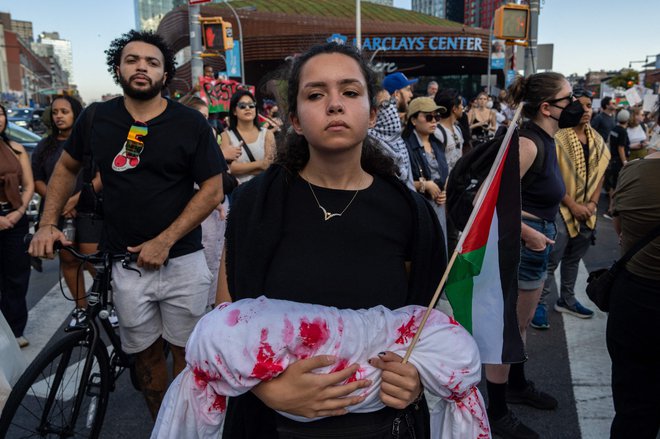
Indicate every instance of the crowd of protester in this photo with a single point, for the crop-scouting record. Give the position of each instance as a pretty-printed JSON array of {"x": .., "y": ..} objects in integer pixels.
[{"x": 417, "y": 140}]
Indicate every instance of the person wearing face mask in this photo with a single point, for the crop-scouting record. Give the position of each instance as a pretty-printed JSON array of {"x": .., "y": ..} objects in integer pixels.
[
  {"x": 387, "y": 131},
  {"x": 549, "y": 105},
  {"x": 583, "y": 158}
]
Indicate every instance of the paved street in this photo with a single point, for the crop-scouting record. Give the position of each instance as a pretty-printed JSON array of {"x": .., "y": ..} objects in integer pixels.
[{"x": 569, "y": 360}]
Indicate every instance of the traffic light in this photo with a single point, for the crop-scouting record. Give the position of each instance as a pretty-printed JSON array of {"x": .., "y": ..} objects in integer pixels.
[
  {"x": 217, "y": 34},
  {"x": 511, "y": 22}
]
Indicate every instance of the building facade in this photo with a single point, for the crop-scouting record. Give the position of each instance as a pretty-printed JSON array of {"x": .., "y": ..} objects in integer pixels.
[
  {"x": 479, "y": 13},
  {"x": 62, "y": 51},
  {"x": 149, "y": 13},
  {"x": 435, "y": 8}
]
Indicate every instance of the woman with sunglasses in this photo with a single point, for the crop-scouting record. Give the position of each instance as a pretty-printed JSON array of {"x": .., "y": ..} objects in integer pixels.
[
  {"x": 549, "y": 105},
  {"x": 258, "y": 144},
  {"x": 449, "y": 131},
  {"x": 427, "y": 155}
]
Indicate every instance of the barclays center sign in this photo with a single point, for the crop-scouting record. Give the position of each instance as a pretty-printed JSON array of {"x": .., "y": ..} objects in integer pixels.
[{"x": 416, "y": 43}]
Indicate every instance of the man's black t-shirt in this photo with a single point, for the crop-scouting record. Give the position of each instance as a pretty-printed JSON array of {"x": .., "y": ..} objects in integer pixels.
[
  {"x": 619, "y": 137},
  {"x": 368, "y": 245},
  {"x": 143, "y": 196}
]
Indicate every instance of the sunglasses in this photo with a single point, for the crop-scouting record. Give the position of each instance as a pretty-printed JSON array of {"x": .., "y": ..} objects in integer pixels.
[
  {"x": 430, "y": 117},
  {"x": 244, "y": 106},
  {"x": 570, "y": 98},
  {"x": 582, "y": 93}
]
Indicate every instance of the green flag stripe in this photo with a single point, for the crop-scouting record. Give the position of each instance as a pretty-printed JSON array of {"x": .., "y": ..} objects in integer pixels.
[{"x": 460, "y": 285}]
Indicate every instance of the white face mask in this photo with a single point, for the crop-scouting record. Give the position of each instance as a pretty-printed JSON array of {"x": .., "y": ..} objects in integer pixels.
[{"x": 489, "y": 104}]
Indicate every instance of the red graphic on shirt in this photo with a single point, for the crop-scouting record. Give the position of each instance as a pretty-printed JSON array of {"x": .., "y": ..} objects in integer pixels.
[
  {"x": 343, "y": 364},
  {"x": 267, "y": 367},
  {"x": 407, "y": 331},
  {"x": 233, "y": 317},
  {"x": 452, "y": 321}
]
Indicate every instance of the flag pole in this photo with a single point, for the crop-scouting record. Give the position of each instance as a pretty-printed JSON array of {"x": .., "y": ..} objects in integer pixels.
[{"x": 477, "y": 206}]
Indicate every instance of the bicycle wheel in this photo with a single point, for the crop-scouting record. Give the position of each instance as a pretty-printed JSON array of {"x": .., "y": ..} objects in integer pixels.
[{"x": 43, "y": 401}]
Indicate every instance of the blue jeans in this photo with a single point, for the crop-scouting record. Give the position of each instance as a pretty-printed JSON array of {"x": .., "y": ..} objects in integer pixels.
[{"x": 533, "y": 268}]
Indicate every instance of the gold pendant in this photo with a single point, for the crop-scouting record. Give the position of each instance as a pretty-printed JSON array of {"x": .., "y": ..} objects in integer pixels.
[{"x": 327, "y": 215}]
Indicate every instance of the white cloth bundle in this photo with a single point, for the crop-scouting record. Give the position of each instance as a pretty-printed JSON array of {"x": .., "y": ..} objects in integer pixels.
[{"x": 238, "y": 345}]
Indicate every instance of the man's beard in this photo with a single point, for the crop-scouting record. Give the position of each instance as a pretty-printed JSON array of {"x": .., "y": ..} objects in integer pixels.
[
  {"x": 402, "y": 106},
  {"x": 140, "y": 95}
]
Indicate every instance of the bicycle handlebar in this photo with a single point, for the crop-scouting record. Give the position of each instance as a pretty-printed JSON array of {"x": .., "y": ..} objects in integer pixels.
[{"x": 93, "y": 258}]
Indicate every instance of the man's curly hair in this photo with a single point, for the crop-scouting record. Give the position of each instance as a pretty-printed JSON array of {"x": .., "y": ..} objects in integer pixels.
[{"x": 113, "y": 54}]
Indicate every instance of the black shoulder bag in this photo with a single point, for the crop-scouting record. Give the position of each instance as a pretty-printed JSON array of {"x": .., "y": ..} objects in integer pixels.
[
  {"x": 244, "y": 144},
  {"x": 599, "y": 282}
]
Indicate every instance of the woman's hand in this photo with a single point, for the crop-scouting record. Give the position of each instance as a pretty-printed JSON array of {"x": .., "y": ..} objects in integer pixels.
[
  {"x": 231, "y": 152},
  {"x": 535, "y": 240},
  {"x": 69, "y": 210},
  {"x": 441, "y": 199},
  {"x": 5, "y": 223},
  {"x": 302, "y": 392},
  {"x": 432, "y": 189},
  {"x": 401, "y": 385}
]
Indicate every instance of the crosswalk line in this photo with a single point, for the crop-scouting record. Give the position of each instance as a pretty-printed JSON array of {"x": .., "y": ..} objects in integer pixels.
[{"x": 590, "y": 364}]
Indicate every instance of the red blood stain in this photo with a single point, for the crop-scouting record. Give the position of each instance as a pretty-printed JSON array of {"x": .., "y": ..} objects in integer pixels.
[
  {"x": 315, "y": 334},
  {"x": 233, "y": 317},
  {"x": 287, "y": 332},
  {"x": 356, "y": 376},
  {"x": 340, "y": 365},
  {"x": 219, "y": 404},
  {"x": 407, "y": 331},
  {"x": 453, "y": 321},
  {"x": 267, "y": 367}
]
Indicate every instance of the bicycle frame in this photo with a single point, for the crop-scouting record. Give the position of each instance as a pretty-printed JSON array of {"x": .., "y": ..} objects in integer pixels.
[{"x": 99, "y": 300}]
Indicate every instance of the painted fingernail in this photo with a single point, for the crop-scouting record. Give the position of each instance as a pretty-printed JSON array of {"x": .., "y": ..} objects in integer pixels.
[{"x": 380, "y": 354}]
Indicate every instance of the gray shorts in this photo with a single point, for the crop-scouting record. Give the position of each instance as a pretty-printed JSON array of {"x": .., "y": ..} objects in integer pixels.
[{"x": 166, "y": 302}]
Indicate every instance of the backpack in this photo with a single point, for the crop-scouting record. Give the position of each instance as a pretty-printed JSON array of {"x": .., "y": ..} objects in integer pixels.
[{"x": 470, "y": 172}]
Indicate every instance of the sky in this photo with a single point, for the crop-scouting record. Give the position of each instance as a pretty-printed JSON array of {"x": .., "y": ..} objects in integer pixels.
[{"x": 587, "y": 34}]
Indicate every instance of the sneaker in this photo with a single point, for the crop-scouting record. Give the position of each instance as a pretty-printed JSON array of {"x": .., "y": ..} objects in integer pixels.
[
  {"x": 113, "y": 319},
  {"x": 576, "y": 310},
  {"x": 540, "y": 320},
  {"x": 78, "y": 317},
  {"x": 607, "y": 215},
  {"x": 22, "y": 341},
  {"x": 510, "y": 427},
  {"x": 531, "y": 396}
]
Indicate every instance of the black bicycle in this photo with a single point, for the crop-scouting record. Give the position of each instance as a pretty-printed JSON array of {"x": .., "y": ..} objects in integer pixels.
[{"x": 64, "y": 392}]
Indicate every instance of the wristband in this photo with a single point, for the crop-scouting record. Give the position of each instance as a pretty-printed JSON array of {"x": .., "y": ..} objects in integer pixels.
[
  {"x": 44, "y": 225},
  {"x": 592, "y": 201}
]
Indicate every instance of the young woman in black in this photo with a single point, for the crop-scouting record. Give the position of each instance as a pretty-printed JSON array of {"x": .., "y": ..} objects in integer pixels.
[{"x": 329, "y": 223}]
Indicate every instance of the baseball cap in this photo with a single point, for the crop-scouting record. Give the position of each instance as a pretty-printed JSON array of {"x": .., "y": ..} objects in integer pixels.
[
  {"x": 397, "y": 81},
  {"x": 425, "y": 104}
]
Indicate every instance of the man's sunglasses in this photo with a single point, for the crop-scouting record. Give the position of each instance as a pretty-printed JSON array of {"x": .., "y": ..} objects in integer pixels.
[
  {"x": 244, "y": 106},
  {"x": 430, "y": 117}
]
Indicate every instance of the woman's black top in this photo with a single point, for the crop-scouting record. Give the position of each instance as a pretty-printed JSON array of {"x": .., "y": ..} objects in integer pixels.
[{"x": 353, "y": 261}]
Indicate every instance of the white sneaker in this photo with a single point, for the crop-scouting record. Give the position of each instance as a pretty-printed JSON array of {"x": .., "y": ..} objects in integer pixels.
[{"x": 22, "y": 341}]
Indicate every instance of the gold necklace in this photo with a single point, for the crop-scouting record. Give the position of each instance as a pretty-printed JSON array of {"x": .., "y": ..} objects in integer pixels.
[{"x": 328, "y": 215}]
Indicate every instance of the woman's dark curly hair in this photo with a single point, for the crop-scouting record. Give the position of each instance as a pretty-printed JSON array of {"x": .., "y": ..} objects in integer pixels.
[
  {"x": 233, "y": 102},
  {"x": 51, "y": 141},
  {"x": 293, "y": 153},
  {"x": 113, "y": 54}
]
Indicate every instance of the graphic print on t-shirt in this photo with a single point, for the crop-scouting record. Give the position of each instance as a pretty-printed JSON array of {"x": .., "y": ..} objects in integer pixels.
[{"x": 129, "y": 156}]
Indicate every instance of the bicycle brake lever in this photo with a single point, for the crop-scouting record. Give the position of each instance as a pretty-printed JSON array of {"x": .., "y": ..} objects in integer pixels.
[{"x": 125, "y": 264}]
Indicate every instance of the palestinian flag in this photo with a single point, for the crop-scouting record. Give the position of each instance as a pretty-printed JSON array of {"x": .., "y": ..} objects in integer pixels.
[{"x": 482, "y": 285}]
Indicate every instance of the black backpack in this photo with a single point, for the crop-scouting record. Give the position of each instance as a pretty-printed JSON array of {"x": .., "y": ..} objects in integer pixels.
[{"x": 470, "y": 172}]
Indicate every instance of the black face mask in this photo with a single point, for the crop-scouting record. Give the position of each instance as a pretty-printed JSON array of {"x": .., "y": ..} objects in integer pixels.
[{"x": 570, "y": 115}]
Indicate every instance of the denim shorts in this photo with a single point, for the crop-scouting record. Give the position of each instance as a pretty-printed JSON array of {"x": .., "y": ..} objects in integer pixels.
[{"x": 533, "y": 268}]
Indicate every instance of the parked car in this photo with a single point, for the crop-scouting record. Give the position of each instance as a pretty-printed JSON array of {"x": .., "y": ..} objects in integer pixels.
[
  {"x": 23, "y": 136},
  {"x": 29, "y": 118}
]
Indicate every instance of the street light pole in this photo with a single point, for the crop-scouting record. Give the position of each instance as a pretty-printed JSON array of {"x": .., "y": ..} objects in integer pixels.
[
  {"x": 196, "y": 64},
  {"x": 358, "y": 24},
  {"x": 530, "y": 51},
  {"x": 240, "y": 39}
]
